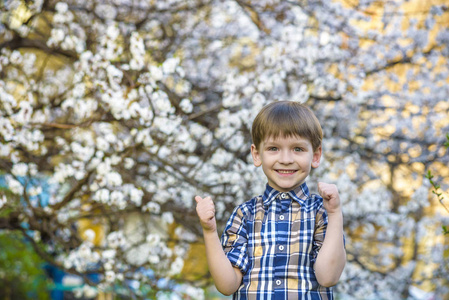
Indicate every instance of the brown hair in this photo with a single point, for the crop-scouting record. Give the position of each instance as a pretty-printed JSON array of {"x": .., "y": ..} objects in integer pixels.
[{"x": 286, "y": 119}]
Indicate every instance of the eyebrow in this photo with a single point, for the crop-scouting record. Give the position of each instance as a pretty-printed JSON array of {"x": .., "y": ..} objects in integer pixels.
[{"x": 295, "y": 143}]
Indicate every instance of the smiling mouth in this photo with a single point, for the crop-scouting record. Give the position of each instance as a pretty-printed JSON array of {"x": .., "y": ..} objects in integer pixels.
[{"x": 286, "y": 171}]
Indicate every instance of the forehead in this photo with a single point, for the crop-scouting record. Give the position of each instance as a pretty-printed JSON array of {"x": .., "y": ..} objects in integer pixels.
[{"x": 282, "y": 139}]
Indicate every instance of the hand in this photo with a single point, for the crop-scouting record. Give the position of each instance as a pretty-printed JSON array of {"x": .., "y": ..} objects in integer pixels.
[
  {"x": 331, "y": 198},
  {"x": 205, "y": 209}
]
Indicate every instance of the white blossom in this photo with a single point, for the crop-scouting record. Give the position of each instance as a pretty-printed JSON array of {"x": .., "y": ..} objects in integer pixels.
[
  {"x": 156, "y": 74},
  {"x": 102, "y": 195},
  {"x": 136, "y": 196},
  {"x": 89, "y": 292},
  {"x": 186, "y": 105},
  {"x": 176, "y": 266},
  {"x": 116, "y": 239},
  {"x": 169, "y": 66},
  {"x": 109, "y": 254},
  {"x": 137, "y": 50},
  {"x": 110, "y": 276},
  {"x": 20, "y": 169},
  {"x": 167, "y": 217},
  {"x": 3, "y": 201},
  {"x": 153, "y": 259},
  {"x": 89, "y": 235},
  {"x": 61, "y": 7},
  {"x": 14, "y": 186},
  {"x": 152, "y": 207}
]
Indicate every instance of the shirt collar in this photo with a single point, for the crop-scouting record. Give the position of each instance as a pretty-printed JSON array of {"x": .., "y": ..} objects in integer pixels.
[{"x": 300, "y": 194}]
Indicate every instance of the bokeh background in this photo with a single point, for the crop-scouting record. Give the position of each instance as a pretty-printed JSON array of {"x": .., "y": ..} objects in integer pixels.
[{"x": 116, "y": 113}]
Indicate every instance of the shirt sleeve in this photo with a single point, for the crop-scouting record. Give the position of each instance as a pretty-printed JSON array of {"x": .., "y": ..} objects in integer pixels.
[
  {"x": 235, "y": 240},
  {"x": 321, "y": 221}
]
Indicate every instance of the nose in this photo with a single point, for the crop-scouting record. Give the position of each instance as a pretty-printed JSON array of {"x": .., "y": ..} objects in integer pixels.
[{"x": 285, "y": 157}]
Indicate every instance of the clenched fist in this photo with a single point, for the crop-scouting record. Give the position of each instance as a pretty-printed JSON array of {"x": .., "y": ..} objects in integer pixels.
[
  {"x": 331, "y": 198},
  {"x": 205, "y": 209}
]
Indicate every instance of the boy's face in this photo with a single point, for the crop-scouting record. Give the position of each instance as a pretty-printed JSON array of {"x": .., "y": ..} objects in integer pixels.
[{"x": 286, "y": 161}]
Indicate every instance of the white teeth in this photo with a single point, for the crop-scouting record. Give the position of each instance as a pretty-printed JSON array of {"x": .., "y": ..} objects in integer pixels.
[{"x": 285, "y": 172}]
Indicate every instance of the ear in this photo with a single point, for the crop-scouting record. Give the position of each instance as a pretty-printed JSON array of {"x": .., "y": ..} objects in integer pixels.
[
  {"x": 316, "y": 157},
  {"x": 256, "y": 156}
]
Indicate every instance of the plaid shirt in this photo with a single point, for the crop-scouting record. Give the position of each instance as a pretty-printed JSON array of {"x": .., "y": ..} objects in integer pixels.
[{"x": 274, "y": 240}]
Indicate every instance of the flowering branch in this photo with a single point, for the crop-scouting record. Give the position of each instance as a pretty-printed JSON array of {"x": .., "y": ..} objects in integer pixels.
[{"x": 437, "y": 188}]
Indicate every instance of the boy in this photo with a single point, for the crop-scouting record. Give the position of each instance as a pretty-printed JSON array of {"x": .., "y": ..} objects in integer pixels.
[{"x": 286, "y": 243}]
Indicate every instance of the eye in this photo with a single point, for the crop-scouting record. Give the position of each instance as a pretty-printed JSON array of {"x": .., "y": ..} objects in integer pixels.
[
  {"x": 272, "y": 149},
  {"x": 298, "y": 149}
]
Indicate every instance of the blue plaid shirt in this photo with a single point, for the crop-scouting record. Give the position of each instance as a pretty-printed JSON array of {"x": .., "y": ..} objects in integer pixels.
[{"x": 274, "y": 240}]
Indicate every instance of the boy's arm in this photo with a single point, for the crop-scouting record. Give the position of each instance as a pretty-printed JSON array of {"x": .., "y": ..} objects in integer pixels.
[
  {"x": 331, "y": 258},
  {"x": 227, "y": 278}
]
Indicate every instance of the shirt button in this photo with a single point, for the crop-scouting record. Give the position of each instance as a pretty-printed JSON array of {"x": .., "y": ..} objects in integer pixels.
[
  {"x": 278, "y": 282},
  {"x": 281, "y": 247},
  {"x": 283, "y": 196},
  {"x": 281, "y": 217}
]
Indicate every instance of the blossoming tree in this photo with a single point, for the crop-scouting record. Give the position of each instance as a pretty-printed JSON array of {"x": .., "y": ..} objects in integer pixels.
[{"x": 118, "y": 112}]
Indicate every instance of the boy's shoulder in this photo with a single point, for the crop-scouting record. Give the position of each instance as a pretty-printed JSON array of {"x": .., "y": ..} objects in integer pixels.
[
  {"x": 315, "y": 199},
  {"x": 314, "y": 203},
  {"x": 249, "y": 207}
]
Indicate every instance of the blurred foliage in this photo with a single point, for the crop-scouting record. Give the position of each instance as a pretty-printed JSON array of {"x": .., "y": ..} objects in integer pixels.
[{"x": 21, "y": 272}]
